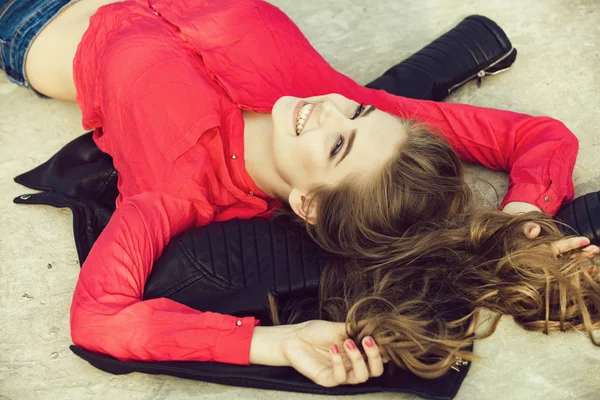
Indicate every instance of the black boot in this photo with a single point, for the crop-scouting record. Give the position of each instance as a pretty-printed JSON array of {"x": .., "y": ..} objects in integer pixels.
[{"x": 473, "y": 49}]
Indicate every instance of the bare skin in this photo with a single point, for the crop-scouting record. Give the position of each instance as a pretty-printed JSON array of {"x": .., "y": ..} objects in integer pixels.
[{"x": 49, "y": 63}]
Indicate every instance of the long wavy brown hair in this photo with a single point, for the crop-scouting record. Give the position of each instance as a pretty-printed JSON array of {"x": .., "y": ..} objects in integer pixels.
[{"x": 414, "y": 261}]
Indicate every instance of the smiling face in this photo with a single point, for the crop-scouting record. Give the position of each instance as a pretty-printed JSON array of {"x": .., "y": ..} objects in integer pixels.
[{"x": 337, "y": 138}]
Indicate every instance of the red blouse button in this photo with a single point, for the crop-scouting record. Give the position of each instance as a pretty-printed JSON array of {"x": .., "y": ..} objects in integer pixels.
[{"x": 239, "y": 322}]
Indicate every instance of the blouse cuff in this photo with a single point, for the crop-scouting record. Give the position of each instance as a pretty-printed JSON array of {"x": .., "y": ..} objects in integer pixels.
[
  {"x": 233, "y": 343},
  {"x": 548, "y": 199}
]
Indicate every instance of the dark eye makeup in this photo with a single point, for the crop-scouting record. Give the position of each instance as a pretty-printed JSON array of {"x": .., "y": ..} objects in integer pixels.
[
  {"x": 337, "y": 146},
  {"x": 359, "y": 110},
  {"x": 340, "y": 142}
]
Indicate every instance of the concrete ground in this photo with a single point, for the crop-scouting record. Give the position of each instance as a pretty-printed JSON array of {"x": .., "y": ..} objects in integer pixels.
[{"x": 557, "y": 73}]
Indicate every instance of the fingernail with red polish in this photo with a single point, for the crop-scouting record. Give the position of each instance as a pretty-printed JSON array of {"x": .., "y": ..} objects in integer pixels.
[
  {"x": 334, "y": 349},
  {"x": 531, "y": 229},
  {"x": 584, "y": 242},
  {"x": 369, "y": 341},
  {"x": 350, "y": 345}
]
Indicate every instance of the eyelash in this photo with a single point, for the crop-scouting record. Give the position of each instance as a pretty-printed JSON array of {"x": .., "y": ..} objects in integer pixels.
[
  {"x": 340, "y": 142},
  {"x": 359, "y": 110},
  {"x": 337, "y": 146}
]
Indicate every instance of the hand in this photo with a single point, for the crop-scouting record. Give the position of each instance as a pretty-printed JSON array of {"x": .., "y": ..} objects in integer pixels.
[
  {"x": 321, "y": 351},
  {"x": 532, "y": 230}
]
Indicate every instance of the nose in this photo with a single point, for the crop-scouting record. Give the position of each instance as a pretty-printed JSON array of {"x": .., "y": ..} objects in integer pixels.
[{"x": 329, "y": 114}]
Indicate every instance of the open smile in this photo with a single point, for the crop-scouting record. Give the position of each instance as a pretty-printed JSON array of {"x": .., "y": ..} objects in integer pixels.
[{"x": 302, "y": 114}]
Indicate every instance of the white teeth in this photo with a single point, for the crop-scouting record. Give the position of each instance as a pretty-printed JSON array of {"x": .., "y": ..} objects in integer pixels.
[{"x": 301, "y": 119}]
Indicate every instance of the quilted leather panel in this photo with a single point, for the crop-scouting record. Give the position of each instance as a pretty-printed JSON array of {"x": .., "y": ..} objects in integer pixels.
[{"x": 231, "y": 266}]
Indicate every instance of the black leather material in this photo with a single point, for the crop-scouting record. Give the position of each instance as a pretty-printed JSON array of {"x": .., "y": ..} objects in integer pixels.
[
  {"x": 582, "y": 216},
  {"x": 229, "y": 267},
  {"x": 476, "y": 45},
  {"x": 279, "y": 378},
  {"x": 82, "y": 178}
]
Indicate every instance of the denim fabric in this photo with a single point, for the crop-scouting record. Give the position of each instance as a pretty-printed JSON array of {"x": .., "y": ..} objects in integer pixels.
[{"x": 20, "y": 22}]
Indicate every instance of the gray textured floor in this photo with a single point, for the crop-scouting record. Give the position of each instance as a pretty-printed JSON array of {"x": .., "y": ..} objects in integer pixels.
[{"x": 557, "y": 73}]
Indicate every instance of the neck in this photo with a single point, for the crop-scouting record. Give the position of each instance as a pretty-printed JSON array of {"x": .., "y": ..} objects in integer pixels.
[{"x": 258, "y": 130}]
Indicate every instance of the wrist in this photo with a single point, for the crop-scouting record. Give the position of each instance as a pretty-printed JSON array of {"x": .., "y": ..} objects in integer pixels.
[
  {"x": 519, "y": 207},
  {"x": 266, "y": 347}
]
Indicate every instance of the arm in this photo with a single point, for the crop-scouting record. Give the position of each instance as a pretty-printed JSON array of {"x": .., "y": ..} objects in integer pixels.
[
  {"x": 154, "y": 102},
  {"x": 107, "y": 314},
  {"x": 519, "y": 207},
  {"x": 538, "y": 152}
]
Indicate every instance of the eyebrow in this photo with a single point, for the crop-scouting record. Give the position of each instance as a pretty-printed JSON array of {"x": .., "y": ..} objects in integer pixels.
[
  {"x": 371, "y": 108},
  {"x": 353, "y": 136}
]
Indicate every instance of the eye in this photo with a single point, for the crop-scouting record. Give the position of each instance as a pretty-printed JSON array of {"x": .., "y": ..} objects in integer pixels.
[
  {"x": 358, "y": 111},
  {"x": 337, "y": 146}
]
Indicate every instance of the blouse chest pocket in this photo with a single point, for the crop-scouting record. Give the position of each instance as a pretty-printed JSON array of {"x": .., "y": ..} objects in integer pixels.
[
  {"x": 184, "y": 141},
  {"x": 172, "y": 105}
]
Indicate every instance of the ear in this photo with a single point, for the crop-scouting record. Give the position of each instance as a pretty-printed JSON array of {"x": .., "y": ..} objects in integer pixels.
[{"x": 299, "y": 202}]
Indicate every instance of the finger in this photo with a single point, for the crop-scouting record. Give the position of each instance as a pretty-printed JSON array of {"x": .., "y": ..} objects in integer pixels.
[
  {"x": 339, "y": 371},
  {"x": 592, "y": 267},
  {"x": 531, "y": 230},
  {"x": 564, "y": 245},
  {"x": 373, "y": 357},
  {"x": 359, "y": 372},
  {"x": 591, "y": 251}
]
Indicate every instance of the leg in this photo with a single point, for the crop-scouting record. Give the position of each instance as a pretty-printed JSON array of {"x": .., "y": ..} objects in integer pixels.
[
  {"x": 476, "y": 47},
  {"x": 49, "y": 61}
]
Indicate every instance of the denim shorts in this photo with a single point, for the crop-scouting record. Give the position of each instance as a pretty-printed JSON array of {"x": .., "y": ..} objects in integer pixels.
[{"x": 20, "y": 23}]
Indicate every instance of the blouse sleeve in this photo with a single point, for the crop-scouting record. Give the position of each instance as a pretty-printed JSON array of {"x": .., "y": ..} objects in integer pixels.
[
  {"x": 107, "y": 312},
  {"x": 538, "y": 152}
]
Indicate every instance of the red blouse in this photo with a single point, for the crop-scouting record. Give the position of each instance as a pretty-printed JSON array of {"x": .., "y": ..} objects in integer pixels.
[{"x": 163, "y": 83}]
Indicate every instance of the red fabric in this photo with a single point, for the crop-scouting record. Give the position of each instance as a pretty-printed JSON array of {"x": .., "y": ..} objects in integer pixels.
[{"x": 163, "y": 83}]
